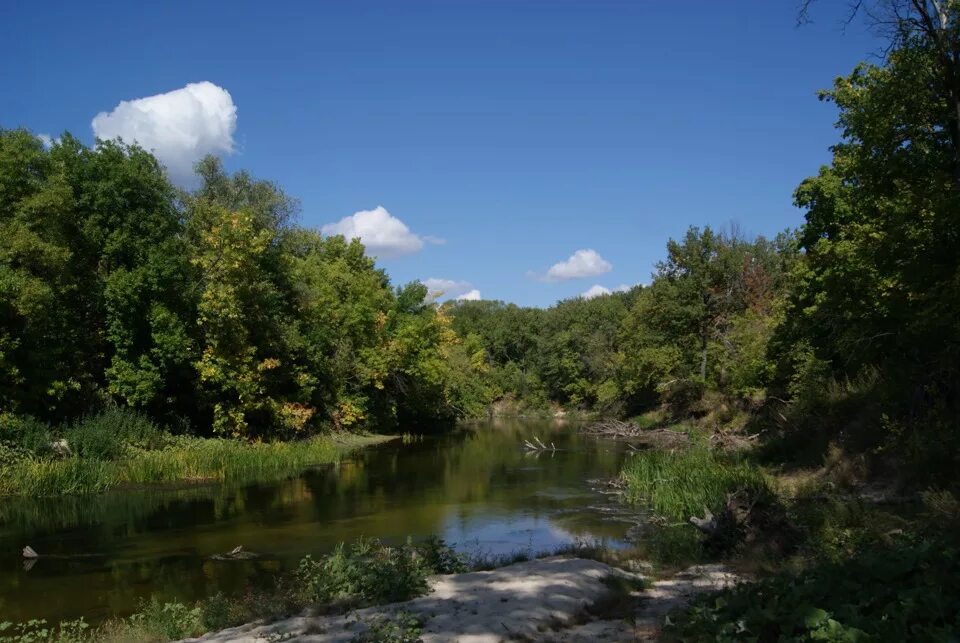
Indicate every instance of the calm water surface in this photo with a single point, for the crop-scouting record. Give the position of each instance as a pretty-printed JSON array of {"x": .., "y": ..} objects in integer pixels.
[{"x": 476, "y": 487}]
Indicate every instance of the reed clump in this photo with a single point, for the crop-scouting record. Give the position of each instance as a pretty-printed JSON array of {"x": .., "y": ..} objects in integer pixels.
[{"x": 118, "y": 449}]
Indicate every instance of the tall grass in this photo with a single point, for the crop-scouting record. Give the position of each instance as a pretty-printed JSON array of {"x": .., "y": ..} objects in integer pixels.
[
  {"x": 679, "y": 484},
  {"x": 181, "y": 460}
]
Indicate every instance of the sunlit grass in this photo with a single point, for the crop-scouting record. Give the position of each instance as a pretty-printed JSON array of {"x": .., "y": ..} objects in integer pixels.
[
  {"x": 679, "y": 484},
  {"x": 186, "y": 460}
]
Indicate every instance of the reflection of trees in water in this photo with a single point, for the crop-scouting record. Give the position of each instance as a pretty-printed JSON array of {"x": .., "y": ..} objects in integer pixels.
[{"x": 157, "y": 541}]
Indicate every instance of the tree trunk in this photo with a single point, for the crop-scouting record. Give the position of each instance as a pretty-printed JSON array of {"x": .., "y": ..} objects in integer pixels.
[{"x": 703, "y": 358}]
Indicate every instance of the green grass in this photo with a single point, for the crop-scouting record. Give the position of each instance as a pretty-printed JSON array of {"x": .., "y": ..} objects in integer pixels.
[
  {"x": 677, "y": 485},
  {"x": 182, "y": 460}
]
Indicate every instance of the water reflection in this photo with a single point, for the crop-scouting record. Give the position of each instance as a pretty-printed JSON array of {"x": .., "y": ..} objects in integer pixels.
[{"x": 477, "y": 488}]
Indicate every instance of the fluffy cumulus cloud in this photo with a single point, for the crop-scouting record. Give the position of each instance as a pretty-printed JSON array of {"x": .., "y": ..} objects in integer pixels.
[
  {"x": 597, "y": 290},
  {"x": 450, "y": 289},
  {"x": 471, "y": 295},
  {"x": 384, "y": 235},
  {"x": 180, "y": 127},
  {"x": 582, "y": 263}
]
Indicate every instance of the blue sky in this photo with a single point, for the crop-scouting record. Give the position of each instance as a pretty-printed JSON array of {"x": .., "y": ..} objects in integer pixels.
[{"x": 517, "y": 133}]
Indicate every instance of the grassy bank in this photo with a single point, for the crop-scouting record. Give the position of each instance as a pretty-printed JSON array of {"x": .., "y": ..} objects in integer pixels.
[{"x": 118, "y": 450}]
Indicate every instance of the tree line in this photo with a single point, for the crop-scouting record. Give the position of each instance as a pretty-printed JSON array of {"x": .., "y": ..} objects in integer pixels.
[
  {"x": 210, "y": 308},
  {"x": 213, "y": 307},
  {"x": 847, "y": 329}
]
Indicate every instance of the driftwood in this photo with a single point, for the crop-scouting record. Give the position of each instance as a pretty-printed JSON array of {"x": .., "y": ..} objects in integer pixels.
[
  {"x": 640, "y": 438},
  {"x": 539, "y": 446},
  {"x": 746, "y": 519},
  {"x": 237, "y": 553}
]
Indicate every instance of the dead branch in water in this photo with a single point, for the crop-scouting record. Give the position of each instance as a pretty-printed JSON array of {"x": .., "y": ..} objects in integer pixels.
[{"x": 539, "y": 446}]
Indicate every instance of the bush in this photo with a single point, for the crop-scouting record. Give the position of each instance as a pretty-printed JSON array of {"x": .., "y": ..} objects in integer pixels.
[
  {"x": 26, "y": 433},
  {"x": 108, "y": 434},
  {"x": 367, "y": 572},
  {"x": 906, "y": 591},
  {"x": 166, "y": 621},
  {"x": 38, "y": 631},
  {"x": 440, "y": 558},
  {"x": 404, "y": 627}
]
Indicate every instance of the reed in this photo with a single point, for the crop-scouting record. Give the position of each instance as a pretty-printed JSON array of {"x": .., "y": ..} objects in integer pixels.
[
  {"x": 679, "y": 484},
  {"x": 183, "y": 460}
]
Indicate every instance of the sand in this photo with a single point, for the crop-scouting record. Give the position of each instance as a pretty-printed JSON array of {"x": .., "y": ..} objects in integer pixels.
[{"x": 540, "y": 600}]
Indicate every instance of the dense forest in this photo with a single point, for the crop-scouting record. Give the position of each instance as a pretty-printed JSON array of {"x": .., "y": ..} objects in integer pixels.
[{"x": 211, "y": 311}]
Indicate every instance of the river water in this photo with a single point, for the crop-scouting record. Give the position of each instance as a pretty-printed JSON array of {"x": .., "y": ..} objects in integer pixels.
[{"x": 475, "y": 487}]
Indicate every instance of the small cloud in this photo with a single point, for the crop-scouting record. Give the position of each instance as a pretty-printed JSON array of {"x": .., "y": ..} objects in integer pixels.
[
  {"x": 596, "y": 291},
  {"x": 448, "y": 289},
  {"x": 471, "y": 295},
  {"x": 47, "y": 140},
  {"x": 384, "y": 235},
  {"x": 180, "y": 127},
  {"x": 582, "y": 263}
]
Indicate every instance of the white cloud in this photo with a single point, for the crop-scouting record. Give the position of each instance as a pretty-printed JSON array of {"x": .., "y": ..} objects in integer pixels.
[
  {"x": 582, "y": 263},
  {"x": 383, "y": 234},
  {"x": 471, "y": 295},
  {"x": 595, "y": 291},
  {"x": 180, "y": 127},
  {"x": 47, "y": 140},
  {"x": 449, "y": 289}
]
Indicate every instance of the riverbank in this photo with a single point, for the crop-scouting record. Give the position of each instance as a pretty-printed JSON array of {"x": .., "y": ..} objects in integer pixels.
[
  {"x": 175, "y": 460},
  {"x": 550, "y": 599},
  {"x": 836, "y": 553}
]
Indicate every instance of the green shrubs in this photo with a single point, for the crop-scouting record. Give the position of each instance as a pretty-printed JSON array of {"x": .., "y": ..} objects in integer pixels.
[
  {"x": 906, "y": 591},
  {"x": 367, "y": 572},
  {"x": 404, "y": 627},
  {"x": 38, "y": 631},
  {"x": 440, "y": 558},
  {"x": 108, "y": 434},
  {"x": 679, "y": 484},
  {"x": 26, "y": 434}
]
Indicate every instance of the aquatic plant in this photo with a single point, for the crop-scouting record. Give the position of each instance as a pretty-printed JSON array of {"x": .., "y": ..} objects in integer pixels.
[{"x": 679, "y": 484}]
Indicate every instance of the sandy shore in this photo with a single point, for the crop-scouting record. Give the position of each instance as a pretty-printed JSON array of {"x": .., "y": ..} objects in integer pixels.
[{"x": 541, "y": 600}]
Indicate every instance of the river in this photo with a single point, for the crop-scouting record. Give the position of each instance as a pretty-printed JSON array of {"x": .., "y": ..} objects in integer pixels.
[{"x": 476, "y": 487}]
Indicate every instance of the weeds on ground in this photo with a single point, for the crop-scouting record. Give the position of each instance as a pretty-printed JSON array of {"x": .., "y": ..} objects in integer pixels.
[
  {"x": 403, "y": 627},
  {"x": 905, "y": 590}
]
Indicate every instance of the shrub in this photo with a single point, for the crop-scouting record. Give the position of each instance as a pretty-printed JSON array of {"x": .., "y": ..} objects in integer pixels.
[
  {"x": 38, "y": 631},
  {"x": 404, "y": 627},
  {"x": 166, "y": 621},
  {"x": 367, "y": 572},
  {"x": 900, "y": 592},
  {"x": 440, "y": 558},
  {"x": 26, "y": 433},
  {"x": 108, "y": 434}
]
